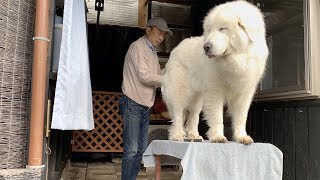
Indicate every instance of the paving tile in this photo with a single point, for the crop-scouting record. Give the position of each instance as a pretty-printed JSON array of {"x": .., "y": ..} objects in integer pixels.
[
  {"x": 112, "y": 171},
  {"x": 171, "y": 177},
  {"x": 77, "y": 172},
  {"x": 103, "y": 168},
  {"x": 79, "y": 164},
  {"x": 101, "y": 171},
  {"x": 101, "y": 177},
  {"x": 77, "y": 178},
  {"x": 100, "y": 166},
  {"x": 143, "y": 178}
]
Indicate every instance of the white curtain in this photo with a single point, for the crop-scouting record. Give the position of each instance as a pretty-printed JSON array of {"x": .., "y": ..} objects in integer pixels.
[{"x": 72, "y": 109}]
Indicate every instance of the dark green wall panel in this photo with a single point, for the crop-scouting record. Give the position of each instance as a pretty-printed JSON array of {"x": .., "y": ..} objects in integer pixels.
[{"x": 314, "y": 142}]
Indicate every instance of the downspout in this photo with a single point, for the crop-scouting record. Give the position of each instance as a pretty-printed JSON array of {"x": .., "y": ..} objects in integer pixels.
[{"x": 39, "y": 73}]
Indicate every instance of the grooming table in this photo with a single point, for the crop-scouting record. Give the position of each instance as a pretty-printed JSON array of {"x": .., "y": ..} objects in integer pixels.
[{"x": 205, "y": 160}]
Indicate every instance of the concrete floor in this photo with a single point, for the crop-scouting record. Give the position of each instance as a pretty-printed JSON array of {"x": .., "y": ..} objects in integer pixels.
[{"x": 112, "y": 171}]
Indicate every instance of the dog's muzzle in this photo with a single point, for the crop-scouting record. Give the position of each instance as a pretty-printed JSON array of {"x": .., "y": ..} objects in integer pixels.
[
  {"x": 207, "y": 49},
  {"x": 207, "y": 46}
]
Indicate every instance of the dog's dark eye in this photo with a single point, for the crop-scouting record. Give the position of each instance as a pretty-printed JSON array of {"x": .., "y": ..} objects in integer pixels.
[{"x": 223, "y": 28}]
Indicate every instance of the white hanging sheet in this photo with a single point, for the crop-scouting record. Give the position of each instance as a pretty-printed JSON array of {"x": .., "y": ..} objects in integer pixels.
[{"x": 72, "y": 109}]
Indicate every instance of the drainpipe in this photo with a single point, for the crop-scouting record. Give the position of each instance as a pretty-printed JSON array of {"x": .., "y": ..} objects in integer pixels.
[{"x": 39, "y": 73}]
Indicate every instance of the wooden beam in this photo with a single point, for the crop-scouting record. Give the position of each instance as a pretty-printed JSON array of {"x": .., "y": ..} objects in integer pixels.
[
  {"x": 142, "y": 13},
  {"x": 180, "y": 2}
]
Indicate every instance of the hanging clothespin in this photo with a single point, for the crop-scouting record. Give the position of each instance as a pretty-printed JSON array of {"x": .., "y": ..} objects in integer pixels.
[{"x": 99, "y": 6}]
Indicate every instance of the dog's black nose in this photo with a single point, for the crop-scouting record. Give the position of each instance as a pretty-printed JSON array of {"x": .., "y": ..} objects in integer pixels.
[{"x": 207, "y": 46}]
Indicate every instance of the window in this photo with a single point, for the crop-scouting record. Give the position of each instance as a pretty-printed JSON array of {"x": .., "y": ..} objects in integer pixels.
[{"x": 293, "y": 40}]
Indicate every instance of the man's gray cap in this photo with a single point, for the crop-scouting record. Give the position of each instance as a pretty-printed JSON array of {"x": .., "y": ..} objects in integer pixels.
[{"x": 160, "y": 23}]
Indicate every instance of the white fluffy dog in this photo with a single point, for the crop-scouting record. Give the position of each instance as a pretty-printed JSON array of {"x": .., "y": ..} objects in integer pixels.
[{"x": 222, "y": 67}]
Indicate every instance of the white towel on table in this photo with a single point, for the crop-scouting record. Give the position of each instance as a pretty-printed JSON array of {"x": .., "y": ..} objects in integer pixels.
[
  {"x": 164, "y": 147},
  {"x": 72, "y": 108},
  {"x": 232, "y": 161}
]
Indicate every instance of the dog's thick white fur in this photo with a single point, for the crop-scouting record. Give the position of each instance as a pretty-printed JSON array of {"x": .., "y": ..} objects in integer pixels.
[{"x": 222, "y": 67}]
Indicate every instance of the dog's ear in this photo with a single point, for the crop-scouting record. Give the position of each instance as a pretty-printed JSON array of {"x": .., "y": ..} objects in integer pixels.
[
  {"x": 253, "y": 26},
  {"x": 240, "y": 39}
]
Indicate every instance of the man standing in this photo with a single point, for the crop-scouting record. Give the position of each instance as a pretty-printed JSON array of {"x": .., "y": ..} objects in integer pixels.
[{"x": 141, "y": 76}]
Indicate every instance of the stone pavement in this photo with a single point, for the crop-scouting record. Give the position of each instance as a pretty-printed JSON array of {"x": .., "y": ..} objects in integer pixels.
[{"x": 112, "y": 171}]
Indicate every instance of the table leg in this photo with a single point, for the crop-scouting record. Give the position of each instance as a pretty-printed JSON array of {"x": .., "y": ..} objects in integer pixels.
[{"x": 158, "y": 167}]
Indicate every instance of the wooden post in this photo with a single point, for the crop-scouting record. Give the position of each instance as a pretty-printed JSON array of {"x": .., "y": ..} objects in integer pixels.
[
  {"x": 158, "y": 167},
  {"x": 142, "y": 13}
]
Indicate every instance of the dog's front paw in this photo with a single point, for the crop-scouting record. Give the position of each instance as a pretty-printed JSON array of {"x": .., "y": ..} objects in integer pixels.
[
  {"x": 244, "y": 139},
  {"x": 176, "y": 135},
  {"x": 194, "y": 135},
  {"x": 218, "y": 139}
]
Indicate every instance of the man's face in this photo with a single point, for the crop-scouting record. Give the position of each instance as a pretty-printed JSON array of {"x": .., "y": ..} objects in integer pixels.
[{"x": 155, "y": 35}]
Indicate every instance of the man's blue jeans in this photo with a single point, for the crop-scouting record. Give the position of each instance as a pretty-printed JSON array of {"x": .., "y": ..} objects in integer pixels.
[{"x": 135, "y": 136}]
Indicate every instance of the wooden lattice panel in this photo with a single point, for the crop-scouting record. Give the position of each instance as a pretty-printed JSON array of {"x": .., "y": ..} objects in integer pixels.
[{"x": 107, "y": 134}]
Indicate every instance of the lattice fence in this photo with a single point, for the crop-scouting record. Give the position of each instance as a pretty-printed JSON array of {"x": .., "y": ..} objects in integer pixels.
[{"x": 107, "y": 135}]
